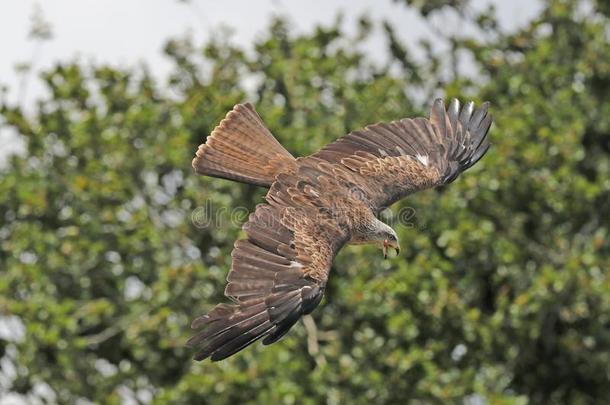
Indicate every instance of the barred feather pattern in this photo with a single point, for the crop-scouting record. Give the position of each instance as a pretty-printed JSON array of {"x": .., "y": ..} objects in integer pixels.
[
  {"x": 317, "y": 204},
  {"x": 399, "y": 158},
  {"x": 241, "y": 148}
]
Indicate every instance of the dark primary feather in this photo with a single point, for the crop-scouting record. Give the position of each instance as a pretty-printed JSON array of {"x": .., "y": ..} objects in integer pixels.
[
  {"x": 265, "y": 306},
  {"x": 278, "y": 274},
  {"x": 398, "y": 158}
]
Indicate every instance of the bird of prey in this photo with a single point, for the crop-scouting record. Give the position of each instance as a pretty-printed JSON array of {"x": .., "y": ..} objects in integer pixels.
[{"x": 317, "y": 204}]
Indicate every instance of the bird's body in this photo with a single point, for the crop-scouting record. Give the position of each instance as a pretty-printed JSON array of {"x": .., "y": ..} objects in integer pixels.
[{"x": 316, "y": 205}]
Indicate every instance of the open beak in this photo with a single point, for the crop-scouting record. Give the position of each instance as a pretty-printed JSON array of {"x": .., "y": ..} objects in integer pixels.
[{"x": 386, "y": 245}]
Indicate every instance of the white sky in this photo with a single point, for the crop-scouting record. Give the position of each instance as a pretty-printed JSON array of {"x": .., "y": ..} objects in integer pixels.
[
  {"x": 128, "y": 32},
  {"x": 125, "y": 32}
]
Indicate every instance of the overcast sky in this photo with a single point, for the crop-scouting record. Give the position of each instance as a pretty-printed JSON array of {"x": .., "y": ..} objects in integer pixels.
[
  {"x": 128, "y": 32},
  {"x": 125, "y": 32}
]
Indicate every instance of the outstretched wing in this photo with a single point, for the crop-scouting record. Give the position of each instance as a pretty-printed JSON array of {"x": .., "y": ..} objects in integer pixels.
[
  {"x": 398, "y": 158},
  {"x": 278, "y": 274}
]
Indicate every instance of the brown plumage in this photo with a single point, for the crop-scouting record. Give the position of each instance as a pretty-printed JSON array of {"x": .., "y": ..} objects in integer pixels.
[
  {"x": 241, "y": 148},
  {"x": 317, "y": 204}
]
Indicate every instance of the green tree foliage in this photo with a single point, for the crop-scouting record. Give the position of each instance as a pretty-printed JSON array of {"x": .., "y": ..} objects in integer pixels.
[
  {"x": 431, "y": 6},
  {"x": 503, "y": 291}
]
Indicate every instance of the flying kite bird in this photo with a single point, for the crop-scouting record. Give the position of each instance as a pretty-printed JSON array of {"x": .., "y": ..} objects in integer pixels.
[{"x": 317, "y": 204}]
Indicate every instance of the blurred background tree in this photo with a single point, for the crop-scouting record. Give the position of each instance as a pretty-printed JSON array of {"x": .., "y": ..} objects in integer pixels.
[{"x": 502, "y": 294}]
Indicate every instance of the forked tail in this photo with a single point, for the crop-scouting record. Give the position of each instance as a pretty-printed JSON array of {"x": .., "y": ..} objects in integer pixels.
[{"x": 241, "y": 148}]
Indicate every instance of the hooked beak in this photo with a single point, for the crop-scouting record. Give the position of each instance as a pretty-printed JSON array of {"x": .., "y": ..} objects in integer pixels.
[{"x": 387, "y": 244}]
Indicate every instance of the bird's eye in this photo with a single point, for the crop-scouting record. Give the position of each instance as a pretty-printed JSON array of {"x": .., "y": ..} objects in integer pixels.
[{"x": 392, "y": 237}]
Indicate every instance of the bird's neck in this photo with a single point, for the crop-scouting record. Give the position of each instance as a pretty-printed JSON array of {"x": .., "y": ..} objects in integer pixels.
[{"x": 368, "y": 232}]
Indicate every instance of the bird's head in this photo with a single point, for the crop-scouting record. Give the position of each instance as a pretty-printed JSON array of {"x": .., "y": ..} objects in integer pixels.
[{"x": 387, "y": 238}]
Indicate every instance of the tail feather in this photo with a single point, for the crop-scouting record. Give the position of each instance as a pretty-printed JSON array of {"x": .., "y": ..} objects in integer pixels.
[{"x": 241, "y": 148}]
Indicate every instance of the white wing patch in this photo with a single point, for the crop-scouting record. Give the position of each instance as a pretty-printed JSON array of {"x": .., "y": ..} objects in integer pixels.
[
  {"x": 423, "y": 159},
  {"x": 312, "y": 191},
  {"x": 295, "y": 264}
]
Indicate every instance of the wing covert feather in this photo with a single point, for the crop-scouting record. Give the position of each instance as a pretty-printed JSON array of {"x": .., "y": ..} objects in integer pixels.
[
  {"x": 278, "y": 273},
  {"x": 401, "y": 157}
]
